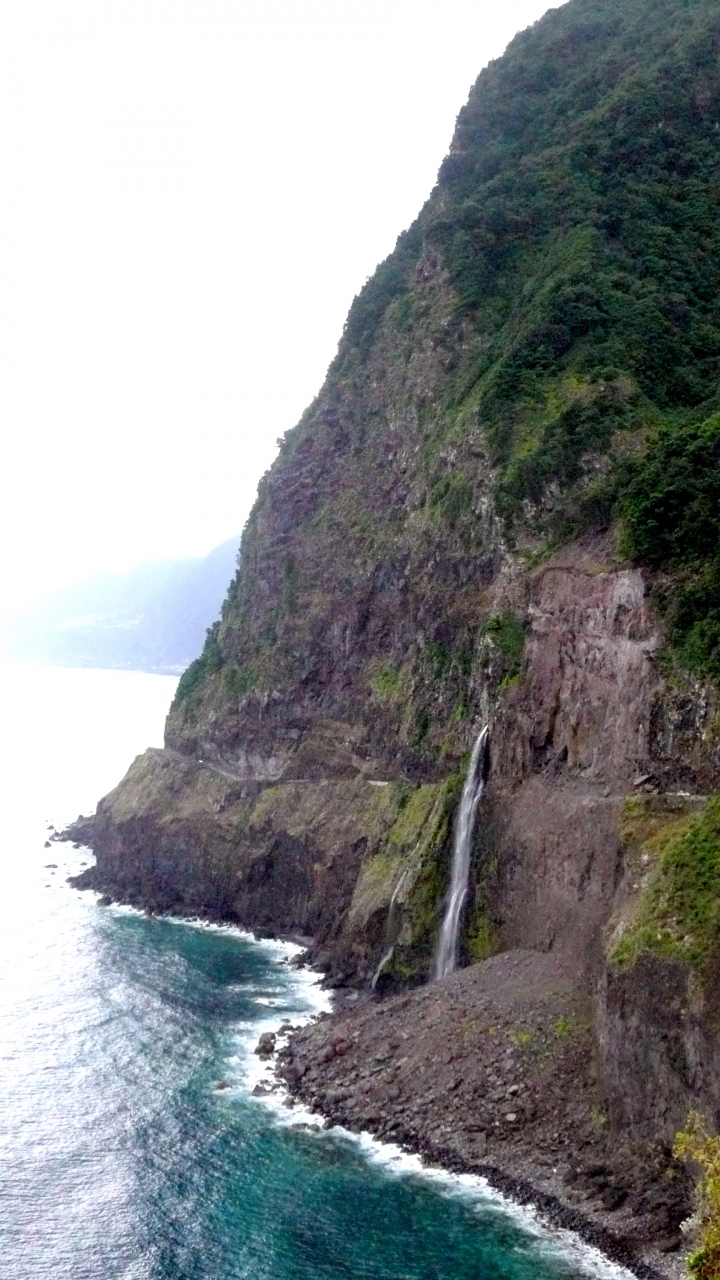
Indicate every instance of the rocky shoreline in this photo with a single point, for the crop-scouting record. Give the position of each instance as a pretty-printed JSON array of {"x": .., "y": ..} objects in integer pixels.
[
  {"x": 491, "y": 1073},
  {"x": 499, "y": 511}
]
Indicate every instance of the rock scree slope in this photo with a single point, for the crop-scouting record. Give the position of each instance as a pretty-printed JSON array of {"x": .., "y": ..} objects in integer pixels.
[{"x": 501, "y": 508}]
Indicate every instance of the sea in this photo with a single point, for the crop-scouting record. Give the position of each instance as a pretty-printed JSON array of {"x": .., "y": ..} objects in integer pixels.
[{"x": 140, "y": 1136}]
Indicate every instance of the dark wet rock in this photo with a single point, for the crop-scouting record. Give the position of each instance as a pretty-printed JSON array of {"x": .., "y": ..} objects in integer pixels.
[
  {"x": 265, "y": 1047},
  {"x": 492, "y": 1072}
]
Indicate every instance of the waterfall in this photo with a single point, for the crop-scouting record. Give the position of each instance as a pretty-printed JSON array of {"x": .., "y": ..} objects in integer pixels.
[
  {"x": 446, "y": 955},
  {"x": 386, "y": 958},
  {"x": 390, "y": 930}
]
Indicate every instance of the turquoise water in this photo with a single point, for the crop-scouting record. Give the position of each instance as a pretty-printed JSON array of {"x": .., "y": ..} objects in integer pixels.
[{"x": 119, "y": 1154}]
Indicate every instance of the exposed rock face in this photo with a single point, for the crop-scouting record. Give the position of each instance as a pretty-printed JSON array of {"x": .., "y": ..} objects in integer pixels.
[
  {"x": 318, "y": 858},
  {"x": 352, "y": 629},
  {"x": 396, "y": 589},
  {"x": 569, "y": 739},
  {"x": 659, "y": 1032},
  {"x": 585, "y": 704},
  {"x": 568, "y": 743},
  {"x": 492, "y": 1072},
  {"x": 322, "y": 856}
]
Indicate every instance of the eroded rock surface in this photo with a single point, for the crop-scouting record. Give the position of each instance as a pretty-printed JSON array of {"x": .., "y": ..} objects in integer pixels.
[
  {"x": 493, "y": 1070},
  {"x": 396, "y": 592}
]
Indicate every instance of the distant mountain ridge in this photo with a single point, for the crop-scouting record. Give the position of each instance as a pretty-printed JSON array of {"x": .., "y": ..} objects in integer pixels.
[{"x": 153, "y": 618}]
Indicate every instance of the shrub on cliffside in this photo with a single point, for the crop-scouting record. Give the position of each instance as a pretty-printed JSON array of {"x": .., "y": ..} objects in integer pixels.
[
  {"x": 678, "y": 916},
  {"x": 210, "y": 660},
  {"x": 671, "y": 507},
  {"x": 695, "y": 1144}
]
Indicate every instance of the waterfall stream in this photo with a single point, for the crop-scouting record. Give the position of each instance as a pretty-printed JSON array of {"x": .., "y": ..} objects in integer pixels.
[
  {"x": 391, "y": 929},
  {"x": 446, "y": 955}
]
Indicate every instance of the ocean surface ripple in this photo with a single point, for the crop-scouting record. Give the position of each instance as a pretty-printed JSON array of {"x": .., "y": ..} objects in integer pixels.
[{"x": 131, "y": 1142}]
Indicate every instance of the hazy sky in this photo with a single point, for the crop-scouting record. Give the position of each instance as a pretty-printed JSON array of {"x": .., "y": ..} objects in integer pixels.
[{"x": 193, "y": 192}]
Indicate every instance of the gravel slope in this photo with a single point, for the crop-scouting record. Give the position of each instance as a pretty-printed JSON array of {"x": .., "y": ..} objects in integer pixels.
[{"x": 491, "y": 1071}]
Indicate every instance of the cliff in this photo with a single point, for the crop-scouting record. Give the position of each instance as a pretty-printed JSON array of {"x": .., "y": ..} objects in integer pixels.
[{"x": 502, "y": 508}]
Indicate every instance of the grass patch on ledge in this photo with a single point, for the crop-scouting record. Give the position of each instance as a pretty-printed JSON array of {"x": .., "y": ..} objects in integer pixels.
[
  {"x": 678, "y": 913},
  {"x": 506, "y": 633},
  {"x": 389, "y": 683}
]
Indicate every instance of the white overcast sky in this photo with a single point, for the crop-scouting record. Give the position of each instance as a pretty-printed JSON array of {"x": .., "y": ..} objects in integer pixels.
[{"x": 193, "y": 192}]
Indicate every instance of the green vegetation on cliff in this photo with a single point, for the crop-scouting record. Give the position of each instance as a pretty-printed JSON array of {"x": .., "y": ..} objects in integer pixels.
[
  {"x": 678, "y": 914},
  {"x": 507, "y": 633},
  {"x": 209, "y": 661},
  {"x": 410, "y": 870},
  {"x": 671, "y": 507},
  {"x": 698, "y": 1146},
  {"x": 539, "y": 355},
  {"x": 577, "y": 216}
]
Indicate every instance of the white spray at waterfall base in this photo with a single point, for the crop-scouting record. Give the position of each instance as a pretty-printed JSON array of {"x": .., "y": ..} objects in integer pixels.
[{"x": 446, "y": 955}]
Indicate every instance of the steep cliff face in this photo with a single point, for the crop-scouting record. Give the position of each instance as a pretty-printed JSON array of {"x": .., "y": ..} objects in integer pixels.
[
  {"x": 315, "y": 859},
  {"x": 658, "y": 1011},
  {"x": 453, "y": 535},
  {"x": 571, "y": 739},
  {"x": 556, "y": 300},
  {"x": 348, "y": 639}
]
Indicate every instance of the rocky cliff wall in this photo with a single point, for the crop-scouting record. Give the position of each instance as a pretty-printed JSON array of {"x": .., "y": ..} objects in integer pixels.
[
  {"x": 436, "y": 548},
  {"x": 573, "y": 735},
  {"x": 318, "y": 859},
  {"x": 571, "y": 738}
]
